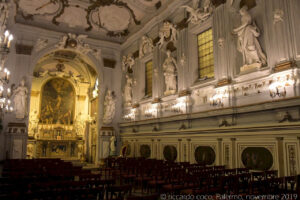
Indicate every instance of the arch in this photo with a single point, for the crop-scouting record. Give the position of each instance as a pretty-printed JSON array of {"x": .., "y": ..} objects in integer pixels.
[{"x": 95, "y": 62}]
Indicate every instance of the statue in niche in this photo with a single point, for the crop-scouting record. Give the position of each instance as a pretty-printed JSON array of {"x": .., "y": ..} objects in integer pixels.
[
  {"x": 112, "y": 146},
  {"x": 146, "y": 46},
  {"x": 198, "y": 15},
  {"x": 20, "y": 100},
  {"x": 80, "y": 124},
  {"x": 167, "y": 31},
  {"x": 128, "y": 91},
  {"x": 170, "y": 74},
  {"x": 248, "y": 45},
  {"x": 109, "y": 107}
]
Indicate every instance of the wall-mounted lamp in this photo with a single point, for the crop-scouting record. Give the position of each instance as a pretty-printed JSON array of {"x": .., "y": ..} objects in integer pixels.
[
  {"x": 180, "y": 105},
  {"x": 152, "y": 111},
  {"x": 278, "y": 87},
  {"x": 217, "y": 99},
  {"x": 131, "y": 115}
]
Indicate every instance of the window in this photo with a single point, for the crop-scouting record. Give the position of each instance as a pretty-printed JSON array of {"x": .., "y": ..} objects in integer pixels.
[
  {"x": 148, "y": 78},
  {"x": 205, "y": 54}
]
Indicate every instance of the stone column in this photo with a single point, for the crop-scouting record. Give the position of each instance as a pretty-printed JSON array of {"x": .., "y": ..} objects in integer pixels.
[
  {"x": 220, "y": 155},
  {"x": 280, "y": 154},
  {"x": 189, "y": 150},
  {"x": 233, "y": 155},
  {"x": 179, "y": 150}
]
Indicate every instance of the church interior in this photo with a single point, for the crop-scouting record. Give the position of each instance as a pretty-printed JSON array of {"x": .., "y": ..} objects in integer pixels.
[{"x": 149, "y": 99}]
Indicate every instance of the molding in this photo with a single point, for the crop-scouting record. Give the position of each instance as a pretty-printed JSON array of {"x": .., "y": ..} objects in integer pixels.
[
  {"x": 20, "y": 29},
  {"x": 280, "y": 103},
  {"x": 284, "y": 66},
  {"x": 267, "y": 130}
]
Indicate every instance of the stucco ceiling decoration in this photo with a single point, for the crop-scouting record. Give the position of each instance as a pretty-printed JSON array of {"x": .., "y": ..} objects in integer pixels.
[{"x": 114, "y": 16}]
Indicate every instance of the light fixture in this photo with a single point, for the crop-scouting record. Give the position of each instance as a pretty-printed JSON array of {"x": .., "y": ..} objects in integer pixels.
[
  {"x": 151, "y": 111},
  {"x": 5, "y": 92},
  {"x": 278, "y": 87},
  {"x": 131, "y": 115},
  {"x": 217, "y": 99},
  {"x": 180, "y": 105}
]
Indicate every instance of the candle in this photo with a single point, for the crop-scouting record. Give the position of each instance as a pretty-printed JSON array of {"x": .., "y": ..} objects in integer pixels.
[
  {"x": 8, "y": 102},
  {"x": 11, "y": 108},
  {"x": 11, "y": 37},
  {"x": 8, "y": 92},
  {"x": 1, "y": 90},
  {"x": 6, "y": 34},
  {"x": 7, "y": 75}
]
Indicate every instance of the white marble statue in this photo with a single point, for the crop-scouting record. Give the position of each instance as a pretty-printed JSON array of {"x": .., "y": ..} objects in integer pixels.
[
  {"x": 128, "y": 62},
  {"x": 248, "y": 45},
  {"x": 109, "y": 107},
  {"x": 198, "y": 15},
  {"x": 146, "y": 46},
  {"x": 170, "y": 74},
  {"x": 161, "y": 41},
  {"x": 278, "y": 16},
  {"x": 168, "y": 30},
  {"x": 20, "y": 100},
  {"x": 128, "y": 91},
  {"x": 80, "y": 124},
  {"x": 112, "y": 146},
  {"x": 3, "y": 16}
]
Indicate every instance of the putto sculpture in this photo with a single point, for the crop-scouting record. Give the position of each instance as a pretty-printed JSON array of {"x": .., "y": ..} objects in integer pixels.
[
  {"x": 168, "y": 31},
  {"x": 128, "y": 63},
  {"x": 198, "y": 15}
]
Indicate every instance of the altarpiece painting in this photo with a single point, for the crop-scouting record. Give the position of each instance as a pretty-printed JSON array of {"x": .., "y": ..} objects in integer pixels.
[{"x": 58, "y": 102}]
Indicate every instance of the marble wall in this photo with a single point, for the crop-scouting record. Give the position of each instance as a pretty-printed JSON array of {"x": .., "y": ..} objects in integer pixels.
[{"x": 234, "y": 111}]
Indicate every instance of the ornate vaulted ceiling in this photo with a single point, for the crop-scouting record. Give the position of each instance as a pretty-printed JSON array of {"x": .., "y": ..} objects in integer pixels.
[{"x": 103, "y": 19}]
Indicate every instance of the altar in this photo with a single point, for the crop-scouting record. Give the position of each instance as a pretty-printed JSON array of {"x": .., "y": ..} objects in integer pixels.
[
  {"x": 56, "y": 141},
  {"x": 59, "y": 149}
]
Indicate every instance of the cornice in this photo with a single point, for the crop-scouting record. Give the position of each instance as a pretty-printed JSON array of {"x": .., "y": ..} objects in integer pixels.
[{"x": 55, "y": 35}]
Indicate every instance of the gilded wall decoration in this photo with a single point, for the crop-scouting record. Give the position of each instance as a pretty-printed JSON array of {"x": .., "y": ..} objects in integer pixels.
[
  {"x": 205, "y": 155},
  {"x": 58, "y": 102},
  {"x": 145, "y": 151},
  {"x": 257, "y": 158},
  {"x": 170, "y": 153}
]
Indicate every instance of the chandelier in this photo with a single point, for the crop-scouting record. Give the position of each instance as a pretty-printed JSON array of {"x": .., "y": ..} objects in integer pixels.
[{"x": 5, "y": 94}]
